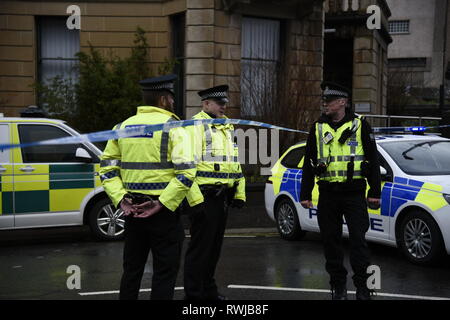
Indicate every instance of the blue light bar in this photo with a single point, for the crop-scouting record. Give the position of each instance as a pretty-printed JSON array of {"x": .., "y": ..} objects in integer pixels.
[{"x": 416, "y": 129}]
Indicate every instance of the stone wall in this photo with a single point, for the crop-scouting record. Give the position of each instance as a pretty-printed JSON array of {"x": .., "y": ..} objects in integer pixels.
[{"x": 109, "y": 27}]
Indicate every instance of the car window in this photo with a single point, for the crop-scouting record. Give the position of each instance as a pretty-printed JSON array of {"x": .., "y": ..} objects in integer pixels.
[
  {"x": 46, "y": 153},
  {"x": 420, "y": 157},
  {"x": 4, "y": 139},
  {"x": 293, "y": 158}
]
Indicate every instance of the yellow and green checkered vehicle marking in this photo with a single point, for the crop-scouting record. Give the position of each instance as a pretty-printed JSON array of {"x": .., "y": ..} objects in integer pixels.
[
  {"x": 56, "y": 187},
  {"x": 6, "y": 191}
]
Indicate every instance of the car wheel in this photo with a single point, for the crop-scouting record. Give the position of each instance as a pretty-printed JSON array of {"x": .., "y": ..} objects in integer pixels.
[
  {"x": 106, "y": 222},
  {"x": 420, "y": 238},
  {"x": 287, "y": 221}
]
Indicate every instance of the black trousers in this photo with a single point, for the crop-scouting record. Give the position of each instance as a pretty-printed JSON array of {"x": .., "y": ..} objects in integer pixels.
[
  {"x": 333, "y": 205},
  {"x": 161, "y": 233},
  {"x": 207, "y": 231}
]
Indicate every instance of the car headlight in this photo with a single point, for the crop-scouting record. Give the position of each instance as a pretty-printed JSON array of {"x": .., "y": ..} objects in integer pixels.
[{"x": 447, "y": 197}]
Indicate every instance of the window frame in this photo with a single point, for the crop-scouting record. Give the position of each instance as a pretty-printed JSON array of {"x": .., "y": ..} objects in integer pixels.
[
  {"x": 94, "y": 157},
  {"x": 39, "y": 58},
  {"x": 297, "y": 166},
  {"x": 392, "y": 23},
  {"x": 251, "y": 111},
  {"x": 6, "y": 154}
]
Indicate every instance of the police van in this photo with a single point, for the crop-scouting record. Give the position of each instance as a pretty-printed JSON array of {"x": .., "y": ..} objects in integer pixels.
[
  {"x": 52, "y": 185},
  {"x": 415, "y": 201}
]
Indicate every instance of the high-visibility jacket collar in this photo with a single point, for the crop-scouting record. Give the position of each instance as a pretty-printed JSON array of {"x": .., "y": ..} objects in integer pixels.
[
  {"x": 203, "y": 115},
  {"x": 150, "y": 109},
  {"x": 349, "y": 116}
]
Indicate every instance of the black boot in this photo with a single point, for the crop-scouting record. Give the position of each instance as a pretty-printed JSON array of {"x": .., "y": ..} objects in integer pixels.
[
  {"x": 363, "y": 293},
  {"x": 339, "y": 292}
]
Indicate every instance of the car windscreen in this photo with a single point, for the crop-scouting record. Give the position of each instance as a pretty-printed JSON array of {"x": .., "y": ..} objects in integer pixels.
[{"x": 429, "y": 157}]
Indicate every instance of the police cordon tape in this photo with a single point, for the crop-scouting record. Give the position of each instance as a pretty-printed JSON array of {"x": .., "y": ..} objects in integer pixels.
[
  {"x": 133, "y": 131},
  {"x": 142, "y": 130}
]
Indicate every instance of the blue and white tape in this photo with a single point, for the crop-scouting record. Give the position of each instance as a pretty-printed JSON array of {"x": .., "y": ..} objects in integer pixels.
[{"x": 143, "y": 130}]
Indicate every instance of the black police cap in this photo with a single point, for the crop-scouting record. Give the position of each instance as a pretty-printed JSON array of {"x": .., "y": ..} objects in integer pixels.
[
  {"x": 161, "y": 83},
  {"x": 331, "y": 89},
  {"x": 219, "y": 93}
]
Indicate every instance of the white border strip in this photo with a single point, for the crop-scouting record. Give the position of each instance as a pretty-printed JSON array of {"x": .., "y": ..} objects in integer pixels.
[
  {"x": 381, "y": 294},
  {"x": 116, "y": 292},
  {"x": 236, "y": 286}
]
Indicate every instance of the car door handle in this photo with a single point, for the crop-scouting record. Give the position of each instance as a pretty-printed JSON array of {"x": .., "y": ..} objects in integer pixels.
[{"x": 27, "y": 169}]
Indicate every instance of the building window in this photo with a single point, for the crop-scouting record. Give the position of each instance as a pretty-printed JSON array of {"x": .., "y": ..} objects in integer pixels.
[
  {"x": 260, "y": 52},
  {"x": 407, "y": 62},
  {"x": 178, "y": 27},
  {"x": 57, "y": 46},
  {"x": 399, "y": 26}
]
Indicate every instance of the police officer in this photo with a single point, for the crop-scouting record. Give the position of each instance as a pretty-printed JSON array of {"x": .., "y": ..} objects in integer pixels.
[
  {"x": 341, "y": 153},
  {"x": 220, "y": 178},
  {"x": 148, "y": 176}
]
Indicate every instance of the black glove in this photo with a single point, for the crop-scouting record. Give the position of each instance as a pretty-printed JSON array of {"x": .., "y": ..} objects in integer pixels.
[{"x": 237, "y": 203}]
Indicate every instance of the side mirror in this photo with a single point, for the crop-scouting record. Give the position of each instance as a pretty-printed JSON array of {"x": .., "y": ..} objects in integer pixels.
[
  {"x": 384, "y": 174},
  {"x": 83, "y": 155}
]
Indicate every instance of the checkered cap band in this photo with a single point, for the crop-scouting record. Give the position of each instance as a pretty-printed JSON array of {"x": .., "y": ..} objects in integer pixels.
[
  {"x": 331, "y": 92},
  {"x": 160, "y": 86},
  {"x": 219, "y": 94}
]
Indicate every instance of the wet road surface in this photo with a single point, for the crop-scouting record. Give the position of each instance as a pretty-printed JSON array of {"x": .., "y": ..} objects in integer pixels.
[{"x": 253, "y": 266}]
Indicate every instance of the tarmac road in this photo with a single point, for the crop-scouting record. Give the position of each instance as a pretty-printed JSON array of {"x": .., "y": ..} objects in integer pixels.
[{"x": 255, "y": 265}]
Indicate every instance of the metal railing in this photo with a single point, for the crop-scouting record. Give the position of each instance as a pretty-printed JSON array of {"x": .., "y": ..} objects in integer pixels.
[{"x": 387, "y": 119}]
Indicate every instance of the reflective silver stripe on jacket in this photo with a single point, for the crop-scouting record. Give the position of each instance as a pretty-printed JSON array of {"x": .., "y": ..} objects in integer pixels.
[
  {"x": 208, "y": 147},
  {"x": 353, "y": 137},
  {"x": 163, "y": 150},
  {"x": 184, "y": 166},
  {"x": 220, "y": 159},
  {"x": 343, "y": 158},
  {"x": 107, "y": 163},
  {"x": 118, "y": 127},
  {"x": 320, "y": 142}
]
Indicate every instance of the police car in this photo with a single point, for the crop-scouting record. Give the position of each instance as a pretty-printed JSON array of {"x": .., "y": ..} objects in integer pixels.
[
  {"x": 52, "y": 185},
  {"x": 415, "y": 201}
]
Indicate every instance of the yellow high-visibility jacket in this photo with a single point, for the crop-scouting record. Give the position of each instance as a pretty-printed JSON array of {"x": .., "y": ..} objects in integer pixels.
[
  {"x": 337, "y": 155},
  {"x": 216, "y": 156},
  {"x": 154, "y": 164}
]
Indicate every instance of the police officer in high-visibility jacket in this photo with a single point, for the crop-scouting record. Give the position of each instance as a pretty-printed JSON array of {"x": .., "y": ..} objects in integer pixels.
[
  {"x": 341, "y": 153},
  {"x": 222, "y": 183},
  {"x": 148, "y": 176}
]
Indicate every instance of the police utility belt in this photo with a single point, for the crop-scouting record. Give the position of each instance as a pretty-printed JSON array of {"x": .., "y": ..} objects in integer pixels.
[
  {"x": 320, "y": 168},
  {"x": 216, "y": 190}
]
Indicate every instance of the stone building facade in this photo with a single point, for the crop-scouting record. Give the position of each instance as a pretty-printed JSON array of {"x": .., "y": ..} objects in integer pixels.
[
  {"x": 210, "y": 39},
  {"x": 360, "y": 53}
]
